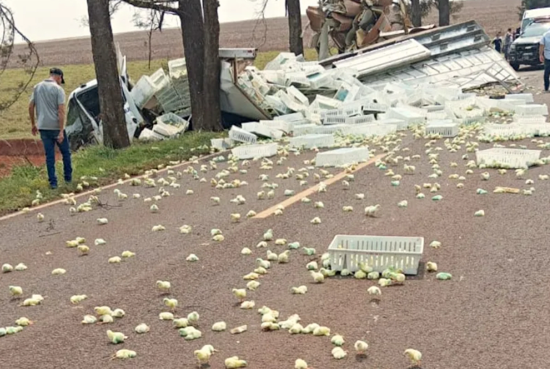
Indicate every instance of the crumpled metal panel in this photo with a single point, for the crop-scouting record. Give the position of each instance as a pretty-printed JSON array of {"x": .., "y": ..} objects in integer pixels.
[
  {"x": 393, "y": 56},
  {"x": 467, "y": 69}
]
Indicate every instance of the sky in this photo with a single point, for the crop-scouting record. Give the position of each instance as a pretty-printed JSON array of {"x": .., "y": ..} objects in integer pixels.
[{"x": 42, "y": 20}]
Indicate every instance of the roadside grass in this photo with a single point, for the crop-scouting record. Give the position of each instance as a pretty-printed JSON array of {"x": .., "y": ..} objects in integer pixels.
[{"x": 19, "y": 188}]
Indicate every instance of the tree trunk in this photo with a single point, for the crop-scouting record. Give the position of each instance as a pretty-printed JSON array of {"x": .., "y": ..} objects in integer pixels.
[
  {"x": 294, "y": 14},
  {"x": 444, "y": 13},
  {"x": 211, "y": 79},
  {"x": 416, "y": 14},
  {"x": 111, "y": 103},
  {"x": 192, "y": 29}
]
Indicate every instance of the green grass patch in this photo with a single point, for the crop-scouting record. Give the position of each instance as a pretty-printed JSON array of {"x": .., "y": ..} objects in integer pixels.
[{"x": 19, "y": 189}]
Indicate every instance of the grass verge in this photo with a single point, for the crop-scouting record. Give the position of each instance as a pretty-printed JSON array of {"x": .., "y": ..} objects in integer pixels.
[{"x": 19, "y": 188}]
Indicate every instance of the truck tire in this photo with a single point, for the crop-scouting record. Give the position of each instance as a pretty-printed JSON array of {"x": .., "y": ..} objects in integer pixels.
[{"x": 515, "y": 66}]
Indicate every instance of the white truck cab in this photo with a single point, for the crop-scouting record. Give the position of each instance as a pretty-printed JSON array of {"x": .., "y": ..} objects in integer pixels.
[{"x": 530, "y": 15}]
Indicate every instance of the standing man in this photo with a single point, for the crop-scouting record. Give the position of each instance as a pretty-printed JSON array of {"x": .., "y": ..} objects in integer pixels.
[
  {"x": 508, "y": 39},
  {"x": 544, "y": 56},
  {"x": 498, "y": 43},
  {"x": 48, "y": 98}
]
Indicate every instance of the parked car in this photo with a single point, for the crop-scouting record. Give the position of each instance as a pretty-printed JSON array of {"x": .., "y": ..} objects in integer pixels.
[{"x": 525, "y": 49}]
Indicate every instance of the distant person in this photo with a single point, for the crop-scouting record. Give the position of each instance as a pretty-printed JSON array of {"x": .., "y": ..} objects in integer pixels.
[
  {"x": 544, "y": 56},
  {"x": 48, "y": 99},
  {"x": 517, "y": 33},
  {"x": 508, "y": 39},
  {"x": 498, "y": 42}
]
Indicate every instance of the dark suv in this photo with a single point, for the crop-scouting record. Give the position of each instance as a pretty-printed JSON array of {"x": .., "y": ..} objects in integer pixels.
[{"x": 525, "y": 49}]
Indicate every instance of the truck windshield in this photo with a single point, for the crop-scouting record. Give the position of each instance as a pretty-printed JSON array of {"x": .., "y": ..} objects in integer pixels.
[{"x": 536, "y": 29}]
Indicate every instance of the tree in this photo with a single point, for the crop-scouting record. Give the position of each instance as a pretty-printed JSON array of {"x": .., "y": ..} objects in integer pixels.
[
  {"x": 426, "y": 6},
  {"x": 201, "y": 49},
  {"x": 115, "y": 133},
  {"x": 294, "y": 14},
  {"x": 25, "y": 57},
  {"x": 416, "y": 14},
  {"x": 531, "y": 4},
  {"x": 444, "y": 13}
]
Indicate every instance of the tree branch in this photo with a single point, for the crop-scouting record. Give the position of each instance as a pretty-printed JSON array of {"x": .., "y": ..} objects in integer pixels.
[{"x": 161, "y": 6}]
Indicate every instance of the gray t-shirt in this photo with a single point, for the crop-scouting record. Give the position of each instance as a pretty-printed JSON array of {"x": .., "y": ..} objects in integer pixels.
[{"x": 47, "y": 96}]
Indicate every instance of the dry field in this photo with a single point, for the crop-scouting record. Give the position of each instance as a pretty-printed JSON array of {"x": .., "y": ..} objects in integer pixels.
[{"x": 494, "y": 15}]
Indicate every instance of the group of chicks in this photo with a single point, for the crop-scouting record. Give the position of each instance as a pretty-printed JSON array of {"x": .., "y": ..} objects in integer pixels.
[{"x": 269, "y": 318}]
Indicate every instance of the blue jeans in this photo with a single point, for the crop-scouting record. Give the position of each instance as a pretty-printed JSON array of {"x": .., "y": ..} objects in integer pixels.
[
  {"x": 49, "y": 139},
  {"x": 546, "y": 74}
]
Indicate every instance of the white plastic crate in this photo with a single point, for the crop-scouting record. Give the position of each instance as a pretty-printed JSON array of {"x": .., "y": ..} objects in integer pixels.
[
  {"x": 262, "y": 130},
  {"x": 360, "y": 119},
  {"x": 528, "y": 98},
  {"x": 400, "y": 123},
  {"x": 172, "y": 119},
  {"x": 531, "y": 109},
  {"x": 331, "y": 129},
  {"x": 290, "y": 117},
  {"x": 406, "y": 115},
  {"x": 255, "y": 151},
  {"x": 437, "y": 115},
  {"x": 507, "y": 158},
  {"x": 340, "y": 157},
  {"x": 444, "y": 128},
  {"x": 281, "y": 125},
  {"x": 240, "y": 135},
  {"x": 221, "y": 143},
  {"x": 335, "y": 119},
  {"x": 503, "y": 129},
  {"x": 377, "y": 252},
  {"x": 529, "y": 119},
  {"x": 313, "y": 140},
  {"x": 536, "y": 129},
  {"x": 303, "y": 129},
  {"x": 375, "y": 107},
  {"x": 369, "y": 129}
]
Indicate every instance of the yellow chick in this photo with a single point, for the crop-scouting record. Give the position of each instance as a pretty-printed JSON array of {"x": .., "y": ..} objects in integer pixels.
[
  {"x": 219, "y": 326},
  {"x": 127, "y": 254},
  {"x": 103, "y": 310},
  {"x": 84, "y": 250},
  {"x": 338, "y": 353},
  {"x": 239, "y": 293},
  {"x": 203, "y": 355},
  {"x": 252, "y": 285},
  {"x": 163, "y": 286},
  {"x": 299, "y": 290},
  {"x": 142, "y": 328},
  {"x": 124, "y": 354},
  {"x": 337, "y": 340},
  {"x": 431, "y": 266},
  {"x": 414, "y": 356},
  {"x": 234, "y": 363},
  {"x": 171, "y": 303},
  {"x": 316, "y": 220},
  {"x": 318, "y": 277},
  {"x": 58, "y": 271},
  {"x": 300, "y": 364},
  {"x": 78, "y": 298},
  {"x": 373, "y": 290},
  {"x": 16, "y": 291},
  {"x": 181, "y": 323},
  {"x": 283, "y": 257},
  {"x": 40, "y": 217},
  {"x": 23, "y": 322},
  {"x": 116, "y": 337},
  {"x": 248, "y": 305},
  {"x": 361, "y": 347},
  {"x": 166, "y": 316},
  {"x": 235, "y": 217},
  {"x": 115, "y": 260}
]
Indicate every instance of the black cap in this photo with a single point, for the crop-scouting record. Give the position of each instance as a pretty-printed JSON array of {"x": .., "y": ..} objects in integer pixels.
[{"x": 58, "y": 72}]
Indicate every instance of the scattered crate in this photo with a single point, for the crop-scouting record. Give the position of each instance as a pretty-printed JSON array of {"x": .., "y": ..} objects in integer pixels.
[
  {"x": 529, "y": 119},
  {"x": 335, "y": 119},
  {"x": 528, "y": 98},
  {"x": 406, "y": 115},
  {"x": 240, "y": 135},
  {"x": 313, "y": 140},
  {"x": 377, "y": 252},
  {"x": 340, "y": 157},
  {"x": 303, "y": 129},
  {"x": 262, "y": 130},
  {"x": 281, "y": 125},
  {"x": 360, "y": 119},
  {"x": 255, "y": 151},
  {"x": 400, "y": 123},
  {"x": 221, "y": 143},
  {"x": 531, "y": 109},
  {"x": 444, "y": 128},
  {"x": 507, "y": 158},
  {"x": 504, "y": 130},
  {"x": 290, "y": 117},
  {"x": 331, "y": 129},
  {"x": 369, "y": 129}
]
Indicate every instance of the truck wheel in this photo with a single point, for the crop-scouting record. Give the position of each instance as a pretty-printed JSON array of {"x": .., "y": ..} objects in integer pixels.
[{"x": 515, "y": 66}]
